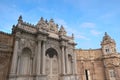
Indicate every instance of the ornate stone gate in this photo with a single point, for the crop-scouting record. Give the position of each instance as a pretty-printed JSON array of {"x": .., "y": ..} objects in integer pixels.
[{"x": 46, "y": 49}]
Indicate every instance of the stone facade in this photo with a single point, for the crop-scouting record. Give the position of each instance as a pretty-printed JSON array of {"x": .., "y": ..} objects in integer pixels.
[
  {"x": 44, "y": 52},
  {"x": 99, "y": 64}
]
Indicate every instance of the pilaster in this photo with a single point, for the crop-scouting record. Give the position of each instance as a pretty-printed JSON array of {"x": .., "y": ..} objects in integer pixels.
[
  {"x": 14, "y": 59},
  {"x": 38, "y": 70},
  {"x": 66, "y": 55},
  {"x": 43, "y": 57},
  {"x": 63, "y": 60},
  {"x": 13, "y": 70}
]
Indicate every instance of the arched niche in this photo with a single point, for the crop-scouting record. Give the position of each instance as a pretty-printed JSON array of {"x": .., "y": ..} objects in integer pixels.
[
  {"x": 51, "y": 53},
  {"x": 69, "y": 64},
  {"x": 52, "y": 64},
  {"x": 25, "y": 62}
]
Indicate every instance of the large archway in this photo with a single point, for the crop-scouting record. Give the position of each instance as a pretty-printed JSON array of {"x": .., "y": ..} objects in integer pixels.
[{"x": 52, "y": 64}]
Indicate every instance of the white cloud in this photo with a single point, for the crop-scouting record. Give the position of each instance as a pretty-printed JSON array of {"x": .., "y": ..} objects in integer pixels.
[
  {"x": 79, "y": 36},
  {"x": 88, "y": 25},
  {"x": 94, "y": 32}
]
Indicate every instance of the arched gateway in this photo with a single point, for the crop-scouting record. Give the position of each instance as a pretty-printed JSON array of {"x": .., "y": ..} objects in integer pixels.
[{"x": 42, "y": 52}]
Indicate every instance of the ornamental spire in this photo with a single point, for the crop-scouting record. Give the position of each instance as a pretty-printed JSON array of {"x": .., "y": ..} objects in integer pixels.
[
  {"x": 20, "y": 19},
  {"x": 51, "y": 20},
  {"x": 41, "y": 21},
  {"x": 62, "y": 30},
  {"x": 42, "y": 25},
  {"x": 107, "y": 39},
  {"x": 52, "y": 26}
]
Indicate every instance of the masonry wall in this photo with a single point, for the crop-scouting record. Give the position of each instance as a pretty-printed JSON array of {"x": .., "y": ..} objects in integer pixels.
[
  {"x": 6, "y": 46},
  {"x": 91, "y": 61}
]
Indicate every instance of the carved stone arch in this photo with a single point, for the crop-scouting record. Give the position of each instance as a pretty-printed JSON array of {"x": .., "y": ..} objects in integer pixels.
[
  {"x": 56, "y": 48},
  {"x": 27, "y": 47},
  {"x": 25, "y": 43},
  {"x": 52, "y": 64},
  {"x": 51, "y": 54}
]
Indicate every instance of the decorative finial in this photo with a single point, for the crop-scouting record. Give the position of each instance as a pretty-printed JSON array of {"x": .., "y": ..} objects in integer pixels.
[
  {"x": 107, "y": 37},
  {"x": 106, "y": 34},
  {"x": 46, "y": 21},
  {"x": 42, "y": 18},
  {"x": 62, "y": 30},
  {"x": 57, "y": 25},
  {"x": 41, "y": 21},
  {"x": 72, "y": 35},
  {"x": 20, "y": 19},
  {"x": 51, "y": 20},
  {"x": 13, "y": 25}
]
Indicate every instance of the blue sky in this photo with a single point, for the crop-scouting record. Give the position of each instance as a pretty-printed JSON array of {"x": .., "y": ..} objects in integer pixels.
[{"x": 87, "y": 19}]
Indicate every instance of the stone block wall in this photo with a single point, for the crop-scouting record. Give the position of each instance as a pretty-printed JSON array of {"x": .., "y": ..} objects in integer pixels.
[{"x": 6, "y": 46}]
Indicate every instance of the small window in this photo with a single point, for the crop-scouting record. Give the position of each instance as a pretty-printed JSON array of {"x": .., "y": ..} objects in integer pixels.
[
  {"x": 107, "y": 50},
  {"x": 111, "y": 73}
]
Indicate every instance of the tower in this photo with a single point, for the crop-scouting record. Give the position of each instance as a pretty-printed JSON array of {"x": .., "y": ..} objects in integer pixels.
[
  {"x": 108, "y": 45},
  {"x": 111, "y": 58}
]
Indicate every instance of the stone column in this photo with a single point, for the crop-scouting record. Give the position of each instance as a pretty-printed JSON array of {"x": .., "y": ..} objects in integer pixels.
[
  {"x": 66, "y": 55},
  {"x": 43, "y": 58},
  {"x": 14, "y": 58},
  {"x": 38, "y": 58},
  {"x": 63, "y": 61}
]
